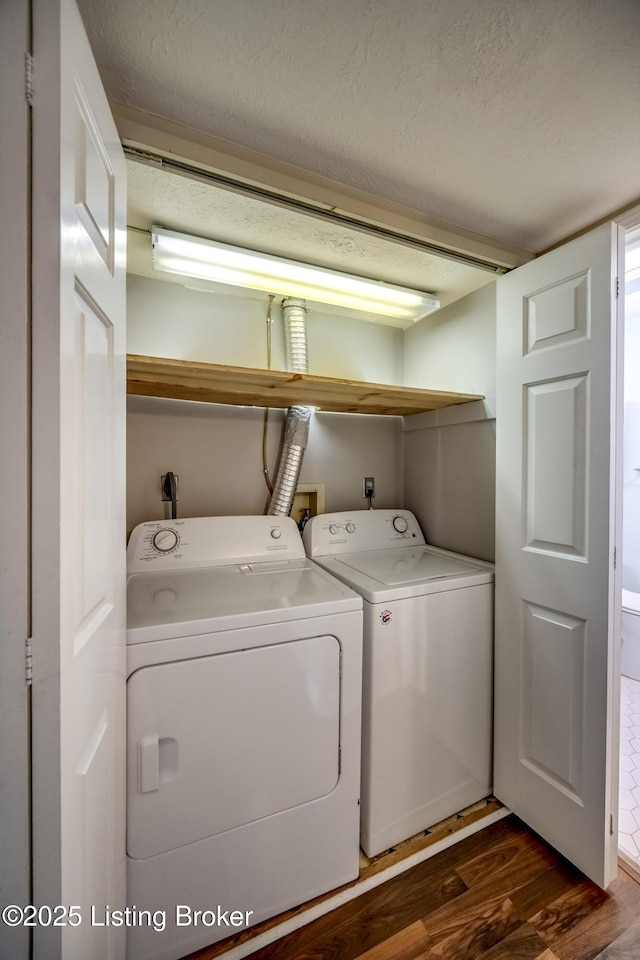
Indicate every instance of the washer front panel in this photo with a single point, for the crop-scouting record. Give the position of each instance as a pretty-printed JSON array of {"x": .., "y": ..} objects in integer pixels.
[
  {"x": 221, "y": 741},
  {"x": 427, "y": 711}
]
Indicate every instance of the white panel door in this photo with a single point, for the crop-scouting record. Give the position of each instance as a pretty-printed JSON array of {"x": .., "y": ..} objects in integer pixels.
[
  {"x": 556, "y": 671},
  {"x": 79, "y": 223}
]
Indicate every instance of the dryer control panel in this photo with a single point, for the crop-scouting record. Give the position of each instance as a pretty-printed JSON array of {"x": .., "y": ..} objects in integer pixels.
[
  {"x": 330, "y": 534},
  {"x": 212, "y": 542}
]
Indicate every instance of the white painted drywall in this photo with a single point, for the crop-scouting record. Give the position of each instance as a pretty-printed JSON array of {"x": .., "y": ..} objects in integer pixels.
[
  {"x": 449, "y": 470},
  {"x": 216, "y": 451},
  {"x": 455, "y": 348},
  {"x": 450, "y": 486},
  {"x": 445, "y": 474},
  {"x": 171, "y": 320}
]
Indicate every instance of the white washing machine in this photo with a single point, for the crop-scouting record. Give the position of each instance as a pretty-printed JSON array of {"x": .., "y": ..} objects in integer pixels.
[
  {"x": 243, "y": 730},
  {"x": 427, "y": 670}
]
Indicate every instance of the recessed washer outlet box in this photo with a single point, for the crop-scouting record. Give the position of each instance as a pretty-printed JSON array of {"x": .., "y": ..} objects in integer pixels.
[{"x": 309, "y": 496}]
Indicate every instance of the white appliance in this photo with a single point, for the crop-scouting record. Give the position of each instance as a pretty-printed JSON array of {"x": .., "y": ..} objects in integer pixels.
[
  {"x": 427, "y": 670},
  {"x": 243, "y": 730}
]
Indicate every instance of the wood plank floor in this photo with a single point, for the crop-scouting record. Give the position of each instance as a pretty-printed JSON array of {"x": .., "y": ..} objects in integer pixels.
[{"x": 501, "y": 894}]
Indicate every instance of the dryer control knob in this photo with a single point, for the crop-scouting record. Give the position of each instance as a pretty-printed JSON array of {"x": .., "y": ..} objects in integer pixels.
[
  {"x": 164, "y": 541},
  {"x": 276, "y": 533},
  {"x": 400, "y": 524},
  {"x": 351, "y": 527},
  {"x": 333, "y": 529}
]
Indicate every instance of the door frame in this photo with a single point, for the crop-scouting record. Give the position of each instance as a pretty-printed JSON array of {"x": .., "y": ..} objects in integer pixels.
[
  {"x": 15, "y": 700},
  {"x": 628, "y": 221}
]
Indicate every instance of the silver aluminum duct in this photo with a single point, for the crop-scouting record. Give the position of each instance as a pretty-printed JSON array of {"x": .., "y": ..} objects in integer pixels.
[{"x": 296, "y": 428}]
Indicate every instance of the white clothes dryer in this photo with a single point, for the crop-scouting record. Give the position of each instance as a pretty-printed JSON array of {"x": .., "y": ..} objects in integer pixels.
[
  {"x": 243, "y": 731},
  {"x": 427, "y": 669}
]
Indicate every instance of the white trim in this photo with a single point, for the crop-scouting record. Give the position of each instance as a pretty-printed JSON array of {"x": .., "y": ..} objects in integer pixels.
[
  {"x": 630, "y": 219},
  {"x": 345, "y": 896},
  {"x": 449, "y": 416},
  {"x": 14, "y": 471},
  {"x": 629, "y": 864}
]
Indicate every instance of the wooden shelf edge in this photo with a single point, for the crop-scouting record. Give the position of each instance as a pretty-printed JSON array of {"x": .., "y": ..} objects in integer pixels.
[{"x": 245, "y": 386}]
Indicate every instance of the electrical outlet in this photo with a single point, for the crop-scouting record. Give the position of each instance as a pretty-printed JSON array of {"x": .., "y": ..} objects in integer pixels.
[{"x": 368, "y": 487}]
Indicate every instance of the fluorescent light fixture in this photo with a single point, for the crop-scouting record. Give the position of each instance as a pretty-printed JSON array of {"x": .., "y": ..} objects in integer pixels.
[{"x": 222, "y": 263}]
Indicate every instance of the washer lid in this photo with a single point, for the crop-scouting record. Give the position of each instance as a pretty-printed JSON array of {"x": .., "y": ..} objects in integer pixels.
[
  {"x": 407, "y": 565},
  {"x": 402, "y": 572},
  {"x": 173, "y": 603}
]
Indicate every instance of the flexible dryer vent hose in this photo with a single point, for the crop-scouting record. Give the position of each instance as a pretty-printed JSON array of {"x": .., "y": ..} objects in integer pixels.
[{"x": 296, "y": 428}]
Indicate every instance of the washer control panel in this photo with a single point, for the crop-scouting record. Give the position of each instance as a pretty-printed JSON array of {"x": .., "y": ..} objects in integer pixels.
[
  {"x": 212, "y": 541},
  {"x": 335, "y": 533}
]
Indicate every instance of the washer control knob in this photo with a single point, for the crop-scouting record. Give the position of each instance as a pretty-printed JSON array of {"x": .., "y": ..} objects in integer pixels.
[
  {"x": 276, "y": 533},
  {"x": 333, "y": 529},
  {"x": 351, "y": 527},
  {"x": 400, "y": 524},
  {"x": 166, "y": 540}
]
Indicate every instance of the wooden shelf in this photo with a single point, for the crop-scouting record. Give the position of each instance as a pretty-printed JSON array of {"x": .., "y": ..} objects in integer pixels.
[{"x": 212, "y": 383}]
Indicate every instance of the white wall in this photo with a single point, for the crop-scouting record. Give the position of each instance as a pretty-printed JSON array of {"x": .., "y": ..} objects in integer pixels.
[
  {"x": 217, "y": 450},
  {"x": 455, "y": 348},
  {"x": 170, "y": 320},
  {"x": 439, "y": 467},
  {"x": 449, "y": 456}
]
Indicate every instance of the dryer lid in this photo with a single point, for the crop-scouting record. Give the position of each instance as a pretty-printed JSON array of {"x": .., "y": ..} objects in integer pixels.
[{"x": 232, "y": 596}]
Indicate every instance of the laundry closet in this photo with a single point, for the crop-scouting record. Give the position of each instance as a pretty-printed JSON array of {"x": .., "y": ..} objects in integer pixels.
[
  {"x": 440, "y": 463},
  {"x": 554, "y": 696},
  {"x": 221, "y": 458}
]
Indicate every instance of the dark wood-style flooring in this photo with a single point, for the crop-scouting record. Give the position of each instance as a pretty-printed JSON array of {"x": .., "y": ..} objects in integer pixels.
[{"x": 501, "y": 894}]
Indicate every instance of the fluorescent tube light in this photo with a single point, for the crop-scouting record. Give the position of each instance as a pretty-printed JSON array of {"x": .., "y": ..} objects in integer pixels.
[{"x": 222, "y": 263}]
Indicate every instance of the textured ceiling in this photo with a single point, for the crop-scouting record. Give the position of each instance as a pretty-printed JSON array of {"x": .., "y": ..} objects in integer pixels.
[
  {"x": 191, "y": 206},
  {"x": 516, "y": 119}
]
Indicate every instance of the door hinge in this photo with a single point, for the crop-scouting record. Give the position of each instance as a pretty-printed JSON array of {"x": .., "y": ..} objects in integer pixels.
[
  {"x": 28, "y": 661},
  {"x": 339, "y": 760},
  {"x": 617, "y": 288},
  {"x": 611, "y": 824},
  {"x": 28, "y": 78},
  {"x": 615, "y": 557},
  {"x": 340, "y": 667}
]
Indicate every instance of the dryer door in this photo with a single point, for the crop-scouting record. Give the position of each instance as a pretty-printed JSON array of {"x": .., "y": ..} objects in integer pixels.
[{"x": 217, "y": 742}]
